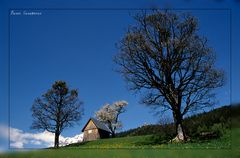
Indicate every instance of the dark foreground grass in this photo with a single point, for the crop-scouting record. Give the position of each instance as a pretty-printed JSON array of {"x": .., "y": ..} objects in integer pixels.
[{"x": 127, "y": 153}]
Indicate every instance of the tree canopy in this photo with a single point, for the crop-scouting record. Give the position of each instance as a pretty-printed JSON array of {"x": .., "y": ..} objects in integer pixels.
[
  {"x": 109, "y": 114},
  {"x": 57, "y": 109},
  {"x": 164, "y": 57}
]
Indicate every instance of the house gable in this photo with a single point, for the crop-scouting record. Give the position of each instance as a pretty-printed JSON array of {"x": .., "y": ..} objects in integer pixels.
[
  {"x": 90, "y": 125},
  {"x": 95, "y": 124},
  {"x": 94, "y": 130}
]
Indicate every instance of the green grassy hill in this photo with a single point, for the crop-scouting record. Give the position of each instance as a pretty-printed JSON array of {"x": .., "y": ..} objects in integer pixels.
[
  {"x": 217, "y": 121},
  {"x": 118, "y": 148},
  {"x": 151, "y": 141},
  {"x": 153, "y": 145}
]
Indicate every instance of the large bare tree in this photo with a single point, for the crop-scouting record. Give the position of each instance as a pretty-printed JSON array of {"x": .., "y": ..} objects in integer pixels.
[
  {"x": 57, "y": 109},
  {"x": 109, "y": 114},
  {"x": 164, "y": 57}
]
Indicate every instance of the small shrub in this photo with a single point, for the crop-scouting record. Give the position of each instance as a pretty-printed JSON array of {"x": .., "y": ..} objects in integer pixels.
[
  {"x": 160, "y": 139},
  {"x": 214, "y": 132},
  {"x": 208, "y": 135},
  {"x": 218, "y": 129},
  {"x": 202, "y": 128}
]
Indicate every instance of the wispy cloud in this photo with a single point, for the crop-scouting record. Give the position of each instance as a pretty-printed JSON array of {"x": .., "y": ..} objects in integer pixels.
[{"x": 19, "y": 138}]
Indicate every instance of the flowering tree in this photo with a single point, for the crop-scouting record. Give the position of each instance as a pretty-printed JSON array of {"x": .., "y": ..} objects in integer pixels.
[{"x": 109, "y": 114}]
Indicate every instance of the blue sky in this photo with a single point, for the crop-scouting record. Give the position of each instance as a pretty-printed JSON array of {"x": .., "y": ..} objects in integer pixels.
[{"x": 78, "y": 46}]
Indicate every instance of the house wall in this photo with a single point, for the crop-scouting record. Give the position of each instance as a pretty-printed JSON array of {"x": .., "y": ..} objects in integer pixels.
[
  {"x": 91, "y": 132},
  {"x": 103, "y": 134}
]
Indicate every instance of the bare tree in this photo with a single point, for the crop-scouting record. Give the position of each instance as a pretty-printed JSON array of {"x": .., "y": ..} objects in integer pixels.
[
  {"x": 109, "y": 114},
  {"x": 164, "y": 57},
  {"x": 57, "y": 109}
]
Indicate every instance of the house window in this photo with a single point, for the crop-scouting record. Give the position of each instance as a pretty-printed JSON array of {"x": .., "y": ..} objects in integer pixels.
[{"x": 90, "y": 131}]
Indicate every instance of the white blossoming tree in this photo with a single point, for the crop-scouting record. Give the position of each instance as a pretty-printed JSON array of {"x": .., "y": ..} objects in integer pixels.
[{"x": 109, "y": 114}]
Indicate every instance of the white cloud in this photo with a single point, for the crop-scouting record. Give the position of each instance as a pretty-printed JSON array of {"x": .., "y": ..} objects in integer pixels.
[
  {"x": 70, "y": 140},
  {"x": 17, "y": 144},
  {"x": 19, "y": 138}
]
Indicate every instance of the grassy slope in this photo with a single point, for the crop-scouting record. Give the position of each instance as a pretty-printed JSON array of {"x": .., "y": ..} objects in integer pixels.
[
  {"x": 149, "y": 142},
  {"x": 143, "y": 147},
  {"x": 203, "y": 150}
]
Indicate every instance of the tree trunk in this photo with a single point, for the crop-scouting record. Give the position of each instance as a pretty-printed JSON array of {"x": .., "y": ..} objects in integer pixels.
[
  {"x": 111, "y": 128},
  {"x": 56, "y": 141},
  {"x": 181, "y": 136},
  {"x": 113, "y": 134},
  {"x": 180, "y": 132}
]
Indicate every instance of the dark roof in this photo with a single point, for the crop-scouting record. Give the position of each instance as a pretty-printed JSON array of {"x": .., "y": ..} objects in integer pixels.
[{"x": 98, "y": 124}]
